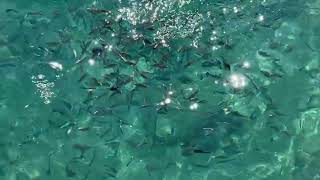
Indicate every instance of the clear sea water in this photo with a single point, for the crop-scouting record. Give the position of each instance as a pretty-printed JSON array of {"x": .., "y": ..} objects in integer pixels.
[{"x": 159, "y": 90}]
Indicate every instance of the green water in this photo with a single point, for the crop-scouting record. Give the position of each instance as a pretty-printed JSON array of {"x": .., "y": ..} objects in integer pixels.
[{"x": 160, "y": 90}]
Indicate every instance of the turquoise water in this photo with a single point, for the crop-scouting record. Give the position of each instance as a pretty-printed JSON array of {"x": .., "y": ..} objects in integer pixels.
[{"x": 160, "y": 90}]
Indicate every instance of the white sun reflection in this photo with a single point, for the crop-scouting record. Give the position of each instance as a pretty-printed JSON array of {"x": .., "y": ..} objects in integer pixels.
[
  {"x": 246, "y": 65},
  {"x": 238, "y": 81},
  {"x": 194, "y": 106},
  {"x": 91, "y": 62}
]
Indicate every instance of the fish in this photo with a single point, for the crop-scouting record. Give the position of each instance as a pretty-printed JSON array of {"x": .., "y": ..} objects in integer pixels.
[
  {"x": 264, "y": 54},
  {"x": 147, "y": 42},
  {"x": 122, "y": 57},
  {"x": 208, "y": 74},
  {"x": 35, "y": 13},
  {"x": 111, "y": 65},
  {"x": 185, "y": 79},
  {"x": 162, "y": 110},
  {"x": 83, "y": 128},
  {"x": 83, "y": 76},
  {"x": 53, "y": 44},
  {"x": 271, "y": 75},
  {"x": 144, "y": 74},
  {"x": 189, "y": 63},
  {"x": 188, "y": 150},
  {"x": 141, "y": 85},
  {"x": 111, "y": 171},
  {"x": 82, "y": 148},
  {"x": 84, "y": 46},
  {"x": 224, "y": 159},
  {"x": 49, "y": 162},
  {"x": 7, "y": 65},
  {"x": 201, "y": 151},
  {"x": 226, "y": 66},
  {"x": 69, "y": 172},
  {"x": 160, "y": 65},
  {"x": 97, "y": 51},
  {"x": 209, "y": 63},
  {"x": 100, "y": 111},
  {"x": 192, "y": 95},
  {"x": 98, "y": 11},
  {"x": 11, "y": 10}
]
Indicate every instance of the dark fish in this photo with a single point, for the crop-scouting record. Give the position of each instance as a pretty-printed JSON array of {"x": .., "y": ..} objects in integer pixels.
[
  {"x": 114, "y": 88},
  {"x": 189, "y": 63},
  {"x": 100, "y": 111},
  {"x": 115, "y": 92},
  {"x": 67, "y": 105},
  {"x": 208, "y": 74},
  {"x": 162, "y": 110},
  {"x": 224, "y": 64},
  {"x": 122, "y": 57},
  {"x": 185, "y": 79},
  {"x": 209, "y": 63},
  {"x": 200, "y": 165},
  {"x": 163, "y": 78},
  {"x": 264, "y": 54},
  {"x": 160, "y": 65},
  {"x": 202, "y": 101},
  {"x": 84, "y": 46},
  {"x": 84, "y": 128},
  {"x": 53, "y": 44},
  {"x": 123, "y": 81},
  {"x": 69, "y": 171},
  {"x": 98, "y": 11},
  {"x": 224, "y": 159},
  {"x": 200, "y": 151},
  {"x": 187, "y": 151},
  {"x": 110, "y": 174},
  {"x": 11, "y": 10},
  {"x": 7, "y": 65},
  {"x": 49, "y": 162},
  {"x": 141, "y": 85},
  {"x": 146, "y": 105},
  {"x": 271, "y": 75},
  {"x": 82, "y": 148},
  {"x": 110, "y": 65},
  {"x": 143, "y": 74},
  {"x": 36, "y": 13},
  {"x": 97, "y": 51},
  {"x": 82, "y": 77},
  {"x": 190, "y": 96},
  {"x": 309, "y": 46},
  {"x": 146, "y": 41},
  {"x": 111, "y": 171}
]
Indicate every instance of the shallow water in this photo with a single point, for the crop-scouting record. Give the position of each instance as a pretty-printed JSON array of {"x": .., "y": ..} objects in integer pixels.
[{"x": 160, "y": 90}]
